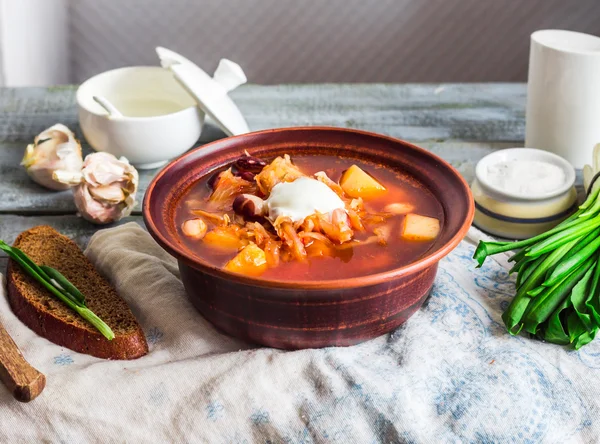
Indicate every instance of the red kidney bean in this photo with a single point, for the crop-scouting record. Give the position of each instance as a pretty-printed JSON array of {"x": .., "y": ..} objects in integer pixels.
[
  {"x": 248, "y": 164},
  {"x": 247, "y": 175},
  {"x": 245, "y": 167},
  {"x": 249, "y": 206}
]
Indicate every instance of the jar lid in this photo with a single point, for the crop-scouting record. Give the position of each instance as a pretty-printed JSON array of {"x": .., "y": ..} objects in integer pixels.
[
  {"x": 521, "y": 160},
  {"x": 210, "y": 92}
]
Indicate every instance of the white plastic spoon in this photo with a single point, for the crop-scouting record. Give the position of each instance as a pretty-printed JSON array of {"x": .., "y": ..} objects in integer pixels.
[{"x": 109, "y": 107}]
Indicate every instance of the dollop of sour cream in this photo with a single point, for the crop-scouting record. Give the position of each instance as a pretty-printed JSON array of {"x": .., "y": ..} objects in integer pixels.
[
  {"x": 526, "y": 177},
  {"x": 301, "y": 198}
]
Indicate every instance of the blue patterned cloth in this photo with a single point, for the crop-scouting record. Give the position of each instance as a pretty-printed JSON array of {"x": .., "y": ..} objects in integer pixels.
[{"x": 451, "y": 374}]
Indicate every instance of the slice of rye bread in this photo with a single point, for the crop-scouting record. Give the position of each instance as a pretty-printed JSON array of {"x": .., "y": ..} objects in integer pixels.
[{"x": 49, "y": 317}]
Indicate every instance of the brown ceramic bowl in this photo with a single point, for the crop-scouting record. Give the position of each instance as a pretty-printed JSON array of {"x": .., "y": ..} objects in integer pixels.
[{"x": 306, "y": 314}]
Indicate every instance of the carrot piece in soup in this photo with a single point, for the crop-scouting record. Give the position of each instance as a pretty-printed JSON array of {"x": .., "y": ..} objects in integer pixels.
[
  {"x": 355, "y": 221},
  {"x": 272, "y": 252},
  {"x": 215, "y": 218},
  {"x": 322, "y": 176},
  {"x": 228, "y": 186},
  {"x": 338, "y": 229},
  {"x": 383, "y": 233},
  {"x": 290, "y": 238},
  {"x": 280, "y": 170},
  {"x": 420, "y": 228},
  {"x": 318, "y": 248},
  {"x": 251, "y": 261},
  {"x": 357, "y": 183},
  {"x": 229, "y": 238}
]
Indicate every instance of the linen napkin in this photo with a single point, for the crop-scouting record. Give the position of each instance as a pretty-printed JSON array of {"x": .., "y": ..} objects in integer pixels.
[{"x": 450, "y": 374}]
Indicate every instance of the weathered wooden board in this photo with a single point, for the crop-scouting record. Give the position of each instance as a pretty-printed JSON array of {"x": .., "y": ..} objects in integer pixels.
[
  {"x": 20, "y": 195},
  {"x": 72, "y": 226},
  {"x": 477, "y": 112},
  {"x": 462, "y": 123}
]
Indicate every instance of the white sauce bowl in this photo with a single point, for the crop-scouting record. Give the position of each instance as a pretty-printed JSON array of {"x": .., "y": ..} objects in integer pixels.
[
  {"x": 161, "y": 120},
  {"x": 517, "y": 216}
]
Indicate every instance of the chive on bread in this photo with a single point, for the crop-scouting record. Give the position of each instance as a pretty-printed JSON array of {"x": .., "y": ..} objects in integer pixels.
[{"x": 52, "y": 319}]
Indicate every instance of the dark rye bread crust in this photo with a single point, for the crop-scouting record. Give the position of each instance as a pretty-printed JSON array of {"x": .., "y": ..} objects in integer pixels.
[{"x": 49, "y": 317}]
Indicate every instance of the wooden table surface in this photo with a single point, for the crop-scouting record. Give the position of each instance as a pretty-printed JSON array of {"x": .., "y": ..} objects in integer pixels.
[{"x": 460, "y": 122}]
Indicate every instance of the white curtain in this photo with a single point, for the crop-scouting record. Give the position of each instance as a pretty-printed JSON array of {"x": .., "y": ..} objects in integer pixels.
[{"x": 34, "y": 42}]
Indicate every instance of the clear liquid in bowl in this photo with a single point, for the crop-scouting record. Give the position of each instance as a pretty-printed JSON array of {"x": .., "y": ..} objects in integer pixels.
[{"x": 146, "y": 107}]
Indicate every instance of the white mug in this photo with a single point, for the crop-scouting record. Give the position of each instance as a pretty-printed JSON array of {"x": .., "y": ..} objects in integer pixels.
[{"x": 563, "y": 94}]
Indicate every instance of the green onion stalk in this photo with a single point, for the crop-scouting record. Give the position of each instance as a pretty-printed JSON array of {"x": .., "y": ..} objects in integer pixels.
[
  {"x": 59, "y": 287},
  {"x": 558, "y": 273}
]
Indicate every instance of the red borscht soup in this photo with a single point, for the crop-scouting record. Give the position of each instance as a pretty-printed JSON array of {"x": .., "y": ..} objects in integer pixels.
[{"x": 309, "y": 217}]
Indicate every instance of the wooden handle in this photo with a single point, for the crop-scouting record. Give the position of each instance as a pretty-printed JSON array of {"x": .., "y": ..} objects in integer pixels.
[{"x": 24, "y": 381}]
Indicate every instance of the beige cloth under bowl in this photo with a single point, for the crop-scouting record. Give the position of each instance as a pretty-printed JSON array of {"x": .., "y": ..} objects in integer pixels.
[{"x": 451, "y": 374}]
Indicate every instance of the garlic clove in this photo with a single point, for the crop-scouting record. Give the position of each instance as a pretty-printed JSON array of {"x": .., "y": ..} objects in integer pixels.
[
  {"x": 29, "y": 157},
  {"x": 53, "y": 149},
  {"x": 108, "y": 193},
  {"x": 103, "y": 169},
  {"x": 93, "y": 210},
  {"x": 70, "y": 178},
  {"x": 106, "y": 189}
]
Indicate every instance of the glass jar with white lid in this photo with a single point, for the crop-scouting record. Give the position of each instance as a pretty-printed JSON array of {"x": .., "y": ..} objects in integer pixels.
[{"x": 522, "y": 192}]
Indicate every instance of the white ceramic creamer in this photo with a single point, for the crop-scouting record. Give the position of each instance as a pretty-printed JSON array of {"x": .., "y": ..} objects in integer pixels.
[
  {"x": 152, "y": 114},
  {"x": 563, "y": 94}
]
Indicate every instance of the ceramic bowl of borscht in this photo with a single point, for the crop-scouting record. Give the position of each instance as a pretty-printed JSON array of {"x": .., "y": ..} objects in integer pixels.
[{"x": 308, "y": 237}]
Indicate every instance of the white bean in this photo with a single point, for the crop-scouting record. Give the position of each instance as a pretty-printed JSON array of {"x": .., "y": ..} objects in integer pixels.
[
  {"x": 194, "y": 228},
  {"x": 399, "y": 208}
]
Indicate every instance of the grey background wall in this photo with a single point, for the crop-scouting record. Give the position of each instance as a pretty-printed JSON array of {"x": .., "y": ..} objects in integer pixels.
[
  {"x": 325, "y": 40},
  {"x": 65, "y": 41}
]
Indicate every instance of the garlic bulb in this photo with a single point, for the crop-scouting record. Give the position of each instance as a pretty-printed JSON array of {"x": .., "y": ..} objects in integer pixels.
[
  {"x": 104, "y": 189},
  {"x": 53, "y": 149}
]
